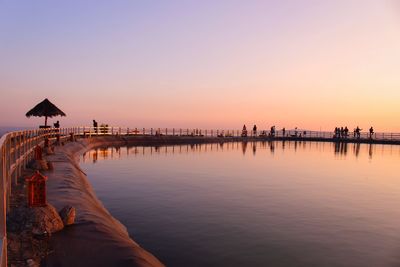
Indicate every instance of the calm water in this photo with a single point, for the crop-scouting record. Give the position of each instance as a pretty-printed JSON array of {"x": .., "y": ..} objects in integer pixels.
[{"x": 255, "y": 204}]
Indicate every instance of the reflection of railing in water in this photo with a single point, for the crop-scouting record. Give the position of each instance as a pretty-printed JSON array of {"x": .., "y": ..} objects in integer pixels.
[{"x": 338, "y": 148}]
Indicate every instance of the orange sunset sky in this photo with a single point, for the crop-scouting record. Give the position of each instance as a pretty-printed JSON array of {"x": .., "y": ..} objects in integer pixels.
[{"x": 206, "y": 64}]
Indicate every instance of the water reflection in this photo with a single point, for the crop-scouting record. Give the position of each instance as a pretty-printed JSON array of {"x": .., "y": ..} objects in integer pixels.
[
  {"x": 339, "y": 149},
  {"x": 291, "y": 203}
]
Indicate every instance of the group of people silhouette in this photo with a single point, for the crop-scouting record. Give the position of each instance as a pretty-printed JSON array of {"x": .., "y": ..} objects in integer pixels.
[
  {"x": 262, "y": 133},
  {"x": 341, "y": 132}
]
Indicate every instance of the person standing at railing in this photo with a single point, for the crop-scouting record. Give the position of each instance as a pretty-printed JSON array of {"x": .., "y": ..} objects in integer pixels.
[
  {"x": 255, "y": 130},
  {"x": 244, "y": 131},
  {"x": 346, "y": 132},
  {"x": 283, "y": 132},
  {"x": 358, "y": 132},
  {"x": 371, "y": 132},
  {"x": 95, "y": 125},
  {"x": 57, "y": 130}
]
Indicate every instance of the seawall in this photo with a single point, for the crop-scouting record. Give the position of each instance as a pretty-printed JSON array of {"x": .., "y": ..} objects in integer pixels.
[{"x": 96, "y": 238}]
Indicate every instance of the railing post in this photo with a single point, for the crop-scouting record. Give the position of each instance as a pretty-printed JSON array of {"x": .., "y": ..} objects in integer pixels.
[
  {"x": 3, "y": 207},
  {"x": 13, "y": 139}
]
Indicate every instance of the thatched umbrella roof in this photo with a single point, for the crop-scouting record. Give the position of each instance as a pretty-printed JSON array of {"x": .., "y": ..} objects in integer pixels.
[{"x": 45, "y": 109}]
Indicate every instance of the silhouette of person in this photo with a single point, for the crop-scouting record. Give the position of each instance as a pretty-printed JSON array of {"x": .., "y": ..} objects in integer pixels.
[
  {"x": 244, "y": 131},
  {"x": 358, "y": 132},
  {"x": 371, "y": 132},
  {"x": 346, "y": 132},
  {"x": 95, "y": 125},
  {"x": 283, "y": 132},
  {"x": 57, "y": 124},
  {"x": 255, "y": 130},
  {"x": 272, "y": 131}
]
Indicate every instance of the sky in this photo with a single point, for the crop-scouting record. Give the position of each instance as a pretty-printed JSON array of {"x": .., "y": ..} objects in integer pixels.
[{"x": 206, "y": 64}]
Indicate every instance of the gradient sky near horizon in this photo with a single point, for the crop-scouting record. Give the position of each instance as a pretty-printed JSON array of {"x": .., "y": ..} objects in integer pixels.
[{"x": 311, "y": 64}]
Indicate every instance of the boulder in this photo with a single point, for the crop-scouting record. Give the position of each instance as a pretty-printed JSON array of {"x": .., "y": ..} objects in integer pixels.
[
  {"x": 44, "y": 220},
  {"x": 50, "y": 165},
  {"x": 40, "y": 165},
  {"x": 68, "y": 214},
  {"x": 32, "y": 263},
  {"x": 49, "y": 150}
]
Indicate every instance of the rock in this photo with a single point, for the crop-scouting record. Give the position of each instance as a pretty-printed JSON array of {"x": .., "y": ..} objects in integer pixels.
[
  {"x": 50, "y": 165},
  {"x": 32, "y": 263},
  {"x": 68, "y": 214},
  {"x": 49, "y": 150},
  {"x": 40, "y": 165},
  {"x": 13, "y": 244},
  {"x": 44, "y": 220}
]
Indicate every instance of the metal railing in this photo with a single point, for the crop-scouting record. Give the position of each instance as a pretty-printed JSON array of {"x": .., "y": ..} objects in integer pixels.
[
  {"x": 17, "y": 150},
  {"x": 87, "y": 131}
]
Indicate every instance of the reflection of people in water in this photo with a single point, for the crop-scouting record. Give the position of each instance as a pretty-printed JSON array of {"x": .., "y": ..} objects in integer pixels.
[
  {"x": 344, "y": 148},
  {"x": 95, "y": 153},
  {"x": 271, "y": 146},
  {"x": 356, "y": 148},
  {"x": 254, "y": 144},
  {"x": 337, "y": 147},
  {"x": 370, "y": 152},
  {"x": 244, "y": 147}
]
